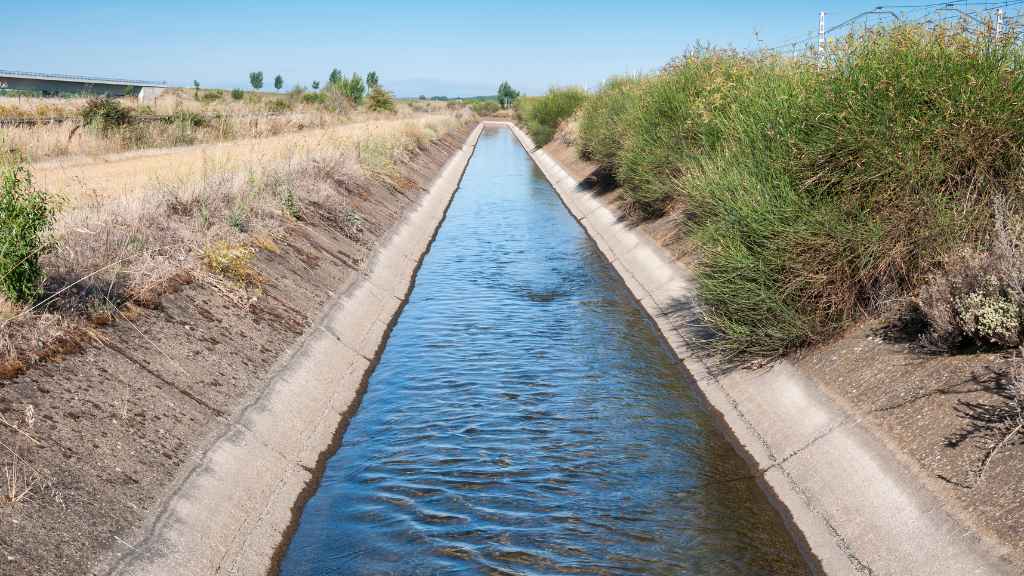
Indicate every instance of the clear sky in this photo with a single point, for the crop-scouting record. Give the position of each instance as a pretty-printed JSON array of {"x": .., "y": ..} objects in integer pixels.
[{"x": 455, "y": 48}]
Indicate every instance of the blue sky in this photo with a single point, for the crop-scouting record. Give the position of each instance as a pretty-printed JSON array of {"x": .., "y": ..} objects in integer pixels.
[{"x": 449, "y": 48}]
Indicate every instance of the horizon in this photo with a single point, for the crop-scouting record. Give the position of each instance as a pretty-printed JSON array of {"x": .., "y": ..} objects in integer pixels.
[{"x": 455, "y": 50}]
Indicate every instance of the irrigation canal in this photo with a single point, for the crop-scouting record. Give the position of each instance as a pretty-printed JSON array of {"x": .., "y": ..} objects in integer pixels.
[{"x": 526, "y": 418}]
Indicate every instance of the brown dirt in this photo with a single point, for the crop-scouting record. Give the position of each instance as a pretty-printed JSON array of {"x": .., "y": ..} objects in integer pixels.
[
  {"x": 933, "y": 411},
  {"x": 108, "y": 426}
]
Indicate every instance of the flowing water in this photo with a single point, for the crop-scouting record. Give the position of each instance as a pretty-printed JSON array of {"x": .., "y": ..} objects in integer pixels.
[{"x": 526, "y": 418}]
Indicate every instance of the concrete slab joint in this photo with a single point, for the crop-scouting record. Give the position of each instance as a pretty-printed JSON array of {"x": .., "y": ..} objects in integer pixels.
[{"x": 852, "y": 506}]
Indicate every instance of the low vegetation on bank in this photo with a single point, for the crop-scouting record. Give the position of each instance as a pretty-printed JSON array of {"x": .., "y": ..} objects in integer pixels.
[
  {"x": 812, "y": 195},
  {"x": 69, "y": 270},
  {"x": 542, "y": 115},
  {"x": 47, "y": 128}
]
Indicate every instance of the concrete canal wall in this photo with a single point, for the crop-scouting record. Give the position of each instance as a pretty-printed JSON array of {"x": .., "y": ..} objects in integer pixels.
[
  {"x": 231, "y": 512},
  {"x": 853, "y": 504}
]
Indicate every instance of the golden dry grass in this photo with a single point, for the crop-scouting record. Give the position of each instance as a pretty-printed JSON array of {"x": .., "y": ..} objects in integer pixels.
[
  {"x": 225, "y": 119},
  {"x": 78, "y": 180}
]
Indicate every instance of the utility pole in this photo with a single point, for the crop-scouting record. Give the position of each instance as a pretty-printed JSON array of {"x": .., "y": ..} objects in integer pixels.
[
  {"x": 999, "y": 23},
  {"x": 821, "y": 38}
]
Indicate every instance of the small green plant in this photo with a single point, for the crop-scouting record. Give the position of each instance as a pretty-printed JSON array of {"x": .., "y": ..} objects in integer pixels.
[
  {"x": 278, "y": 82},
  {"x": 279, "y": 105},
  {"x": 256, "y": 80},
  {"x": 291, "y": 205},
  {"x": 485, "y": 107},
  {"x": 380, "y": 100},
  {"x": 232, "y": 261},
  {"x": 105, "y": 114},
  {"x": 189, "y": 119},
  {"x": 372, "y": 80},
  {"x": 25, "y": 220},
  {"x": 316, "y": 84},
  {"x": 237, "y": 94}
]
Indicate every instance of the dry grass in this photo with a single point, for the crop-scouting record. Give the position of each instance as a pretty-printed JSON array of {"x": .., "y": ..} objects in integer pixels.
[
  {"x": 197, "y": 122},
  {"x": 134, "y": 228},
  {"x": 124, "y": 175}
]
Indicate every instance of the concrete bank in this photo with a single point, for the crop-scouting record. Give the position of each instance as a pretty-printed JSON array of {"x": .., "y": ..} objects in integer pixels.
[
  {"x": 230, "y": 512},
  {"x": 854, "y": 506}
]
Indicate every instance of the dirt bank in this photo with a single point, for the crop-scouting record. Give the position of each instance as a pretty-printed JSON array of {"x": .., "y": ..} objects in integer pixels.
[
  {"x": 860, "y": 440},
  {"x": 101, "y": 434}
]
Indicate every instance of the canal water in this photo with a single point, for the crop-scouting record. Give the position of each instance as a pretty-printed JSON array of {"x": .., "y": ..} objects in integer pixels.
[{"x": 526, "y": 418}]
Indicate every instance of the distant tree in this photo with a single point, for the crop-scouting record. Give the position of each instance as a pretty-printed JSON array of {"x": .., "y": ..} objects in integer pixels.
[
  {"x": 196, "y": 84},
  {"x": 507, "y": 95},
  {"x": 352, "y": 88},
  {"x": 278, "y": 82},
  {"x": 316, "y": 84},
  {"x": 256, "y": 79},
  {"x": 423, "y": 97},
  {"x": 372, "y": 81}
]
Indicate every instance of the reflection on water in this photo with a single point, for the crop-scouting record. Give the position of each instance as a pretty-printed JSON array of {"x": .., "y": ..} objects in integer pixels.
[{"x": 526, "y": 419}]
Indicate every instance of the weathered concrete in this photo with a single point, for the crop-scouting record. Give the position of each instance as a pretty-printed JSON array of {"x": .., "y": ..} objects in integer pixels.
[
  {"x": 856, "y": 507},
  {"x": 229, "y": 514}
]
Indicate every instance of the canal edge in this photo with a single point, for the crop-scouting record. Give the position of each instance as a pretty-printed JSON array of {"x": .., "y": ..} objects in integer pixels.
[
  {"x": 234, "y": 510},
  {"x": 850, "y": 502}
]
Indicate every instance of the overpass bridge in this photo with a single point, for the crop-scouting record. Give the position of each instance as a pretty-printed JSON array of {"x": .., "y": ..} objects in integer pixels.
[{"x": 67, "y": 84}]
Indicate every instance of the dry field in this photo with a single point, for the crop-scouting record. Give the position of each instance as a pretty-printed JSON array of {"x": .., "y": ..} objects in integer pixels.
[
  {"x": 189, "y": 122},
  {"x": 130, "y": 225}
]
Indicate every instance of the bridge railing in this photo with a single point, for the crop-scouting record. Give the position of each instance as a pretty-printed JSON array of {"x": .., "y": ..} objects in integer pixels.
[{"x": 74, "y": 78}]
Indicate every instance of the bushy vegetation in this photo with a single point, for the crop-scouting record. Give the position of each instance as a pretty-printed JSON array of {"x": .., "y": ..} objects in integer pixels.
[
  {"x": 542, "y": 115},
  {"x": 25, "y": 220},
  {"x": 813, "y": 195},
  {"x": 105, "y": 114},
  {"x": 237, "y": 94},
  {"x": 485, "y": 107},
  {"x": 380, "y": 100}
]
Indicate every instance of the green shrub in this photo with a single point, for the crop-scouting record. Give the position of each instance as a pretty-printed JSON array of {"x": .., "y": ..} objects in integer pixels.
[
  {"x": 485, "y": 107},
  {"x": 279, "y": 105},
  {"x": 25, "y": 219},
  {"x": 312, "y": 98},
  {"x": 212, "y": 95},
  {"x": 188, "y": 118},
  {"x": 813, "y": 195},
  {"x": 380, "y": 100},
  {"x": 105, "y": 114},
  {"x": 542, "y": 115},
  {"x": 237, "y": 94},
  {"x": 601, "y": 120}
]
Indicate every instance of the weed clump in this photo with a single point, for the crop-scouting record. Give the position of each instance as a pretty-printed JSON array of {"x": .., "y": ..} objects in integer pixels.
[
  {"x": 233, "y": 261},
  {"x": 105, "y": 114},
  {"x": 26, "y": 216},
  {"x": 380, "y": 100}
]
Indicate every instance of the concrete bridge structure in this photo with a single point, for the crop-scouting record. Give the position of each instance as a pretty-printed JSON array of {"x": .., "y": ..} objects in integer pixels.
[{"x": 68, "y": 84}]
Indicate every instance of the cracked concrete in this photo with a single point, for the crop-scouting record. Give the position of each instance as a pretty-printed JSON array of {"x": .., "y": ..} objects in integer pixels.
[
  {"x": 854, "y": 507},
  {"x": 230, "y": 512}
]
